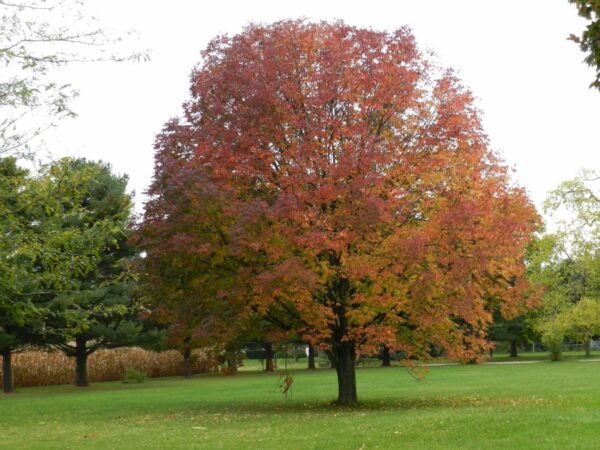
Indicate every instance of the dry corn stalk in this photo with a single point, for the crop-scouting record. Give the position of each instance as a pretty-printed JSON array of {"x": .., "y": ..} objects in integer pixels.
[{"x": 43, "y": 368}]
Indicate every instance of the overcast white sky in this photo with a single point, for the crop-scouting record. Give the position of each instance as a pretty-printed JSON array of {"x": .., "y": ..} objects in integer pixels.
[{"x": 530, "y": 81}]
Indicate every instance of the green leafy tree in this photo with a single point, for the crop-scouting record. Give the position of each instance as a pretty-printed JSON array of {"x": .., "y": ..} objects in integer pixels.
[
  {"x": 577, "y": 241},
  {"x": 581, "y": 197},
  {"x": 37, "y": 38},
  {"x": 589, "y": 41},
  {"x": 583, "y": 322},
  {"x": 42, "y": 253},
  {"x": 579, "y": 322},
  {"x": 562, "y": 289},
  {"x": 101, "y": 310},
  {"x": 567, "y": 263},
  {"x": 15, "y": 315},
  {"x": 552, "y": 333}
]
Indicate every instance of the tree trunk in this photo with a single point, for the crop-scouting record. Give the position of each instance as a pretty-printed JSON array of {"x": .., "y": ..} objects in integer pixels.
[
  {"x": 588, "y": 348},
  {"x": 269, "y": 355},
  {"x": 81, "y": 356},
  {"x": 346, "y": 374},
  {"x": 7, "y": 384},
  {"x": 385, "y": 357},
  {"x": 311, "y": 357},
  {"x": 187, "y": 363},
  {"x": 513, "y": 348},
  {"x": 232, "y": 367}
]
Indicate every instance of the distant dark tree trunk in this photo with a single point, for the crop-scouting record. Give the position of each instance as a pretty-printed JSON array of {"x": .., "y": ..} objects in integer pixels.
[
  {"x": 232, "y": 367},
  {"x": 588, "y": 348},
  {"x": 346, "y": 374},
  {"x": 513, "y": 348},
  {"x": 311, "y": 357},
  {"x": 231, "y": 358},
  {"x": 269, "y": 355},
  {"x": 7, "y": 384},
  {"x": 385, "y": 357},
  {"x": 188, "y": 370},
  {"x": 491, "y": 353},
  {"x": 81, "y": 356}
]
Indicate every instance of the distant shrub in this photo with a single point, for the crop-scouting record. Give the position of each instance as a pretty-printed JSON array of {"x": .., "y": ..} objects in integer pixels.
[
  {"x": 553, "y": 336},
  {"x": 134, "y": 376}
]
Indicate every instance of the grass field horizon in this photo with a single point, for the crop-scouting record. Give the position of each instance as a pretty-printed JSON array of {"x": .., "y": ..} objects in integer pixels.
[{"x": 543, "y": 405}]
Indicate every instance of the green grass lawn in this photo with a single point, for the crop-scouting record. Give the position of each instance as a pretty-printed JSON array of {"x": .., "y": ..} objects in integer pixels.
[
  {"x": 543, "y": 405},
  {"x": 531, "y": 356}
]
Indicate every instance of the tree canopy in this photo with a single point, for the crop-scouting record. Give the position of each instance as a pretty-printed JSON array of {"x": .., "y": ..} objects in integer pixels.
[
  {"x": 589, "y": 41},
  {"x": 100, "y": 310},
  {"x": 43, "y": 250},
  {"x": 333, "y": 181},
  {"x": 568, "y": 264}
]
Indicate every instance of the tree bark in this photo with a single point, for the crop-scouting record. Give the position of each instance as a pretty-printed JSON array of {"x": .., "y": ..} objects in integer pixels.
[
  {"x": 385, "y": 357},
  {"x": 81, "y": 356},
  {"x": 187, "y": 363},
  {"x": 513, "y": 348},
  {"x": 311, "y": 357},
  {"x": 269, "y": 355},
  {"x": 588, "y": 348},
  {"x": 7, "y": 378},
  {"x": 346, "y": 374}
]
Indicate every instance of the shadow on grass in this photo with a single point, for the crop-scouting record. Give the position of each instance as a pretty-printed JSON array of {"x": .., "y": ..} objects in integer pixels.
[{"x": 293, "y": 407}]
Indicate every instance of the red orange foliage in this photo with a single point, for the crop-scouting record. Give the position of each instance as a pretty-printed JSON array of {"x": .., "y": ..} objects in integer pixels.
[{"x": 332, "y": 181}]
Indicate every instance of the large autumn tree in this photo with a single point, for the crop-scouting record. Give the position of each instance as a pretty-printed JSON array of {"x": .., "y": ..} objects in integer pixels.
[{"x": 333, "y": 181}]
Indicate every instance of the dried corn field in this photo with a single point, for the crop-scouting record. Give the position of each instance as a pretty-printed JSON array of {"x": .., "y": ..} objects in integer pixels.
[{"x": 43, "y": 368}]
